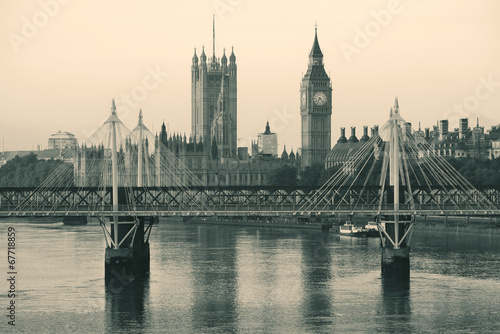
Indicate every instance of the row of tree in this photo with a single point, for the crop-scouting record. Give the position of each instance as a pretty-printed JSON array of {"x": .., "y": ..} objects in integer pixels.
[
  {"x": 27, "y": 171},
  {"x": 481, "y": 173}
]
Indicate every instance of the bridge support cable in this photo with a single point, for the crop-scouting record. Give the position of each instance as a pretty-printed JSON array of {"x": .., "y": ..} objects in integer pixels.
[
  {"x": 340, "y": 178},
  {"x": 448, "y": 179},
  {"x": 395, "y": 227},
  {"x": 163, "y": 168}
]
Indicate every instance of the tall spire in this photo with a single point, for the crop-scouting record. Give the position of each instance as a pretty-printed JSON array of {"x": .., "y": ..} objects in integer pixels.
[
  {"x": 213, "y": 28},
  {"x": 140, "y": 116},
  {"x": 268, "y": 129},
  {"x": 316, "y": 50}
]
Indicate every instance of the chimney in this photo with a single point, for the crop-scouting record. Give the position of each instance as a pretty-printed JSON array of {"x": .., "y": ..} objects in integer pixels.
[
  {"x": 353, "y": 138},
  {"x": 427, "y": 133},
  {"x": 463, "y": 127},
  {"x": 375, "y": 130},
  {"x": 342, "y": 138},
  {"x": 365, "y": 137},
  {"x": 443, "y": 129}
]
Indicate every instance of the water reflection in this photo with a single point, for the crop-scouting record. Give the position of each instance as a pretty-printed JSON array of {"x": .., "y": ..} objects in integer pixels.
[
  {"x": 214, "y": 279},
  {"x": 127, "y": 305},
  {"x": 396, "y": 306},
  {"x": 316, "y": 268}
]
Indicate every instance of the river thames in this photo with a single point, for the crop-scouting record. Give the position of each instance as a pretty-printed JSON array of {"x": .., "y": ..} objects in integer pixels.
[{"x": 226, "y": 279}]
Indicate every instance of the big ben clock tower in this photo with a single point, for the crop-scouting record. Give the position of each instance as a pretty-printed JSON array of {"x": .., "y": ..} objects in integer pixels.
[{"x": 315, "y": 109}]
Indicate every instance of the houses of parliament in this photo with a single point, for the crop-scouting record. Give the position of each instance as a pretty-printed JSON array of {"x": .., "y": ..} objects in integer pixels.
[{"x": 211, "y": 151}]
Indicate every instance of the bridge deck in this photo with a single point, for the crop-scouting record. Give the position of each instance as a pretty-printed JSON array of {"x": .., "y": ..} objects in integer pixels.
[{"x": 243, "y": 201}]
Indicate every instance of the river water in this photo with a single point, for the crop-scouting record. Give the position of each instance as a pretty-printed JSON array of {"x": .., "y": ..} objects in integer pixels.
[{"x": 224, "y": 279}]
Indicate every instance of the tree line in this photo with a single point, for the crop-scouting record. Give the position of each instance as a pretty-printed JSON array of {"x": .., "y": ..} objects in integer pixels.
[
  {"x": 27, "y": 171},
  {"x": 480, "y": 173}
]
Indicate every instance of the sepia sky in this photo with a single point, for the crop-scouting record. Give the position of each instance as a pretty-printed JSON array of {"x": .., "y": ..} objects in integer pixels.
[{"x": 61, "y": 62}]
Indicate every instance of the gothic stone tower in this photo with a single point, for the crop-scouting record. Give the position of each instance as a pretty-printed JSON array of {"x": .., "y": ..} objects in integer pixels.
[
  {"x": 315, "y": 109},
  {"x": 211, "y": 82}
]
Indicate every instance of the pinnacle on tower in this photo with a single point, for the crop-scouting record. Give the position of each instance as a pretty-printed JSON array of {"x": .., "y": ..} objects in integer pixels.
[
  {"x": 268, "y": 129},
  {"x": 113, "y": 107},
  {"x": 224, "y": 58},
  {"x": 140, "y": 116},
  {"x": 232, "y": 57},
  {"x": 203, "y": 57},
  {"x": 195, "y": 57},
  {"x": 316, "y": 50}
]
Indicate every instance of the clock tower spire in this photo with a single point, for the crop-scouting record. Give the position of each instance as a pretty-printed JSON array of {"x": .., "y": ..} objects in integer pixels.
[{"x": 315, "y": 109}]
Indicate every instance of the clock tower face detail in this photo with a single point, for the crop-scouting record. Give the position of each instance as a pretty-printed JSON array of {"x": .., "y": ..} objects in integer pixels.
[{"x": 315, "y": 109}]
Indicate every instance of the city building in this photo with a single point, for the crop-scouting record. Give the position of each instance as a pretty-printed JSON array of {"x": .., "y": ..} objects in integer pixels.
[
  {"x": 214, "y": 102},
  {"x": 62, "y": 140},
  {"x": 268, "y": 143},
  {"x": 315, "y": 109},
  {"x": 495, "y": 149},
  {"x": 175, "y": 160},
  {"x": 462, "y": 142},
  {"x": 346, "y": 148}
]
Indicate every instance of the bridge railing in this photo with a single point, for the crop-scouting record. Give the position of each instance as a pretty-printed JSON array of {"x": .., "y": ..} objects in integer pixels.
[
  {"x": 238, "y": 199},
  {"x": 247, "y": 210}
]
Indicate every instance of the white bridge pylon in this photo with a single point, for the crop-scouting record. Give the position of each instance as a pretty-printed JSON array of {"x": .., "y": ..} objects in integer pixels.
[
  {"x": 154, "y": 160},
  {"x": 114, "y": 157},
  {"x": 396, "y": 159}
]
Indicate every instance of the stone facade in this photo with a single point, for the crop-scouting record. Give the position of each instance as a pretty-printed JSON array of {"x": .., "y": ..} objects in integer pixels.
[
  {"x": 315, "y": 109},
  {"x": 214, "y": 103},
  {"x": 462, "y": 142}
]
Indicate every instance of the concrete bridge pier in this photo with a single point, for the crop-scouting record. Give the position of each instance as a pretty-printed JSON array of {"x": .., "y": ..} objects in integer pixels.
[
  {"x": 396, "y": 261},
  {"x": 75, "y": 220},
  {"x": 130, "y": 258},
  {"x": 395, "y": 249}
]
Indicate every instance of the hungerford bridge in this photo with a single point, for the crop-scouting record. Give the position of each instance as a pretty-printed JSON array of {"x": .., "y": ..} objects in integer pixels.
[
  {"x": 411, "y": 180},
  {"x": 233, "y": 201}
]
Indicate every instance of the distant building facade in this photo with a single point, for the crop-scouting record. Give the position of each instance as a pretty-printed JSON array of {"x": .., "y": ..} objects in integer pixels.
[
  {"x": 164, "y": 170},
  {"x": 345, "y": 147},
  {"x": 62, "y": 140},
  {"x": 268, "y": 143},
  {"x": 462, "y": 142},
  {"x": 214, "y": 102}
]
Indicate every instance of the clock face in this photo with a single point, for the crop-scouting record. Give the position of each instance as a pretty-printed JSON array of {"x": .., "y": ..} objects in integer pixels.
[
  {"x": 319, "y": 98},
  {"x": 303, "y": 99}
]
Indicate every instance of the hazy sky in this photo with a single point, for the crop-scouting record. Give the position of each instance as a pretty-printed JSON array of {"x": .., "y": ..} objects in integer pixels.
[{"x": 62, "y": 64}]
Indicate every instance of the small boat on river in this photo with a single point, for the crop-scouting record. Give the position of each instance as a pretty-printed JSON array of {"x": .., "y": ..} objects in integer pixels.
[
  {"x": 372, "y": 229},
  {"x": 351, "y": 230}
]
